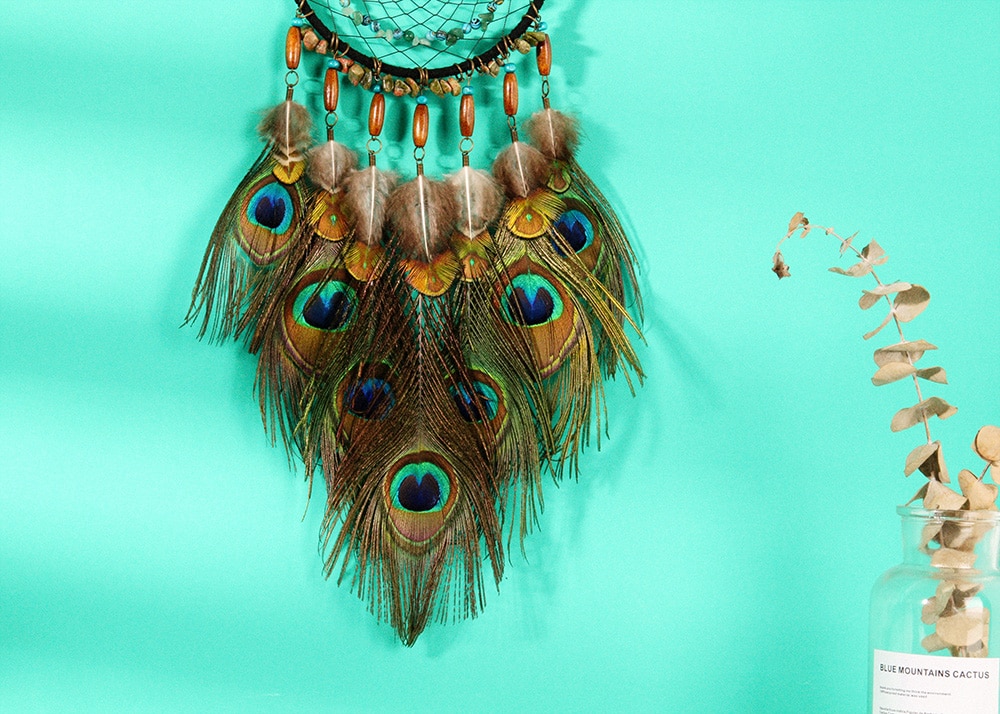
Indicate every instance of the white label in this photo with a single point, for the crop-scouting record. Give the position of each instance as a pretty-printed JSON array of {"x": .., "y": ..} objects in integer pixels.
[{"x": 925, "y": 684}]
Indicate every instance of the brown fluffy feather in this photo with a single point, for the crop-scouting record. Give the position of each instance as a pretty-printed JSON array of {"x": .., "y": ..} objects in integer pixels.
[
  {"x": 555, "y": 134},
  {"x": 365, "y": 202},
  {"x": 520, "y": 169},
  {"x": 287, "y": 126},
  {"x": 329, "y": 164},
  {"x": 422, "y": 215},
  {"x": 479, "y": 200}
]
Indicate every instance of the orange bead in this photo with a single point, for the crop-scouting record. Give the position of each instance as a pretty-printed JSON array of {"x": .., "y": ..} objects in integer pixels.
[
  {"x": 293, "y": 47},
  {"x": 376, "y": 114},
  {"x": 331, "y": 89},
  {"x": 467, "y": 115},
  {"x": 510, "y": 93},
  {"x": 544, "y": 57},
  {"x": 420, "y": 124}
]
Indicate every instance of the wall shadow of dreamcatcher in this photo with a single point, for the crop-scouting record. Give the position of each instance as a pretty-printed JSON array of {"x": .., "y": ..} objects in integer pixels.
[{"x": 436, "y": 346}]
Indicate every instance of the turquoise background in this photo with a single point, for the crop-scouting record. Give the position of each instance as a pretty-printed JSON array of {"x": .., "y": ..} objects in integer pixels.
[{"x": 716, "y": 554}]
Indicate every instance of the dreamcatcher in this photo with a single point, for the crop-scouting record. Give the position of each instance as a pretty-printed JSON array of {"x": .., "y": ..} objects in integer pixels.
[{"x": 434, "y": 345}]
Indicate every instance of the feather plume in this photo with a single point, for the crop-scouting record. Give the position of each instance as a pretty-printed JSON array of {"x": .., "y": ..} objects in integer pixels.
[
  {"x": 261, "y": 220},
  {"x": 554, "y": 134},
  {"x": 421, "y": 216},
  {"x": 588, "y": 226},
  {"x": 329, "y": 164},
  {"x": 521, "y": 168},
  {"x": 287, "y": 128},
  {"x": 479, "y": 199},
  {"x": 364, "y": 202}
]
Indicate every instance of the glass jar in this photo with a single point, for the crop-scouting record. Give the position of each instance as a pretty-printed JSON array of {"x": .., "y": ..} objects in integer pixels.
[{"x": 931, "y": 646}]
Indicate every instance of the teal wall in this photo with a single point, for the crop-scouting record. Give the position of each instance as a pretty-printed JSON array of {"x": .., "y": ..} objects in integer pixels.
[{"x": 716, "y": 554}]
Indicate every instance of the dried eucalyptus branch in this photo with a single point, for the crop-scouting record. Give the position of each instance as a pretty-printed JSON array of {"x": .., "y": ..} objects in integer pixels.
[{"x": 962, "y": 631}]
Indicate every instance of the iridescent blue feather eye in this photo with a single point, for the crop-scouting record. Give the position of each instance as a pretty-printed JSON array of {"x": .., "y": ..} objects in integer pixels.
[
  {"x": 476, "y": 403},
  {"x": 576, "y": 229},
  {"x": 328, "y": 307},
  {"x": 271, "y": 208},
  {"x": 370, "y": 398},
  {"x": 531, "y": 300},
  {"x": 420, "y": 487}
]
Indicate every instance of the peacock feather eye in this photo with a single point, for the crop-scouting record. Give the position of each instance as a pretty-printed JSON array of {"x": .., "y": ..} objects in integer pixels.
[
  {"x": 420, "y": 487},
  {"x": 369, "y": 398},
  {"x": 576, "y": 228},
  {"x": 330, "y": 306},
  {"x": 531, "y": 300},
  {"x": 476, "y": 402},
  {"x": 271, "y": 207}
]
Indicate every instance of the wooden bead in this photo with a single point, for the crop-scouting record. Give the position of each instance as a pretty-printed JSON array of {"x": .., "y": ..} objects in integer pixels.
[
  {"x": 543, "y": 57},
  {"x": 293, "y": 47},
  {"x": 420, "y": 123},
  {"x": 331, "y": 89},
  {"x": 510, "y": 93},
  {"x": 467, "y": 115},
  {"x": 376, "y": 114}
]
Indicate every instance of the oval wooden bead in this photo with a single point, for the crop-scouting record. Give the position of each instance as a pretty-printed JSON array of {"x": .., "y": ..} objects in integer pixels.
[
  {"x": 467, "y": 115},
  {"x": 376, "y": 114},
  {"x": 543, "y": 57},
  {"x": 510, "y": 93},
  {"x": 420, "y": 123},
  {"x": 293, "y": 47},
  {"x": 331, "y": 89}
]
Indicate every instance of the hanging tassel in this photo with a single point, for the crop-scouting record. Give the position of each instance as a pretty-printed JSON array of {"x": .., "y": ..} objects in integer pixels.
[
  {"x": 551, "y": 295},
  {"x": 260, "y": 220},
  {"x": 414, "y": 494},
  {"x": 505, "y": 394},
  {"x": 588, "y": 225}
]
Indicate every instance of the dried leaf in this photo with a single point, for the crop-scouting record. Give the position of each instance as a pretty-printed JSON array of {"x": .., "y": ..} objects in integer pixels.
[
  {"x": 929, "y": 459},
  {"x": 910, "y": 416},
  {"x": 797, "y": 220},
  {"x": 892, "y": 372},
  {"x": 950, "y": 558},
  {"x": 780, "y": 268},
  {"x": 961, "y": 629},
  {"x": 846, "y": 244},
  {"x": 902, "y": 352},
  {"x": 869, "y": 335},
  {"x": 857, "y": 270},
  {"x": 933, "y": 374},
  {"x": 982, "y": 496},
  {"x": 910, "y": 303},
  {"x": 940, "y": 497},
  {"x": 987, "y": 444},
  {"x": 934, "y": 606},
  {"x": 870, "y": 297},
  {"x": 957, "y": 535},
  {"x": 934, "y": 467},
  {"x": 930, "y": 532},
  {"x": 918, "y": 495},
  {"x": 933, "y": 643},
  {"x": 873, "y": 253},
  {"x": 979, "y": 649}
]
